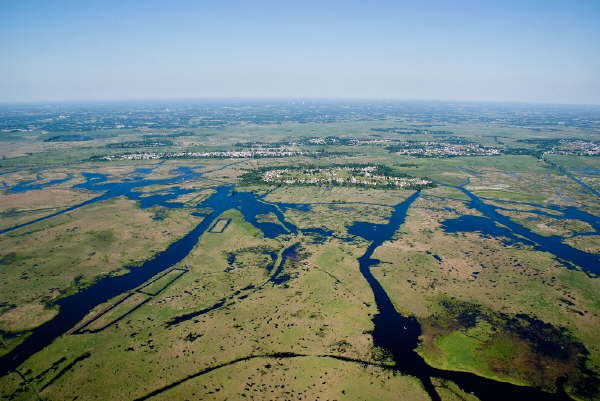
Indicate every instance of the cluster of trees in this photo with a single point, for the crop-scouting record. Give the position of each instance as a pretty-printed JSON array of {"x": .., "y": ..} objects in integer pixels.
[{"x": 69, "y": 138}]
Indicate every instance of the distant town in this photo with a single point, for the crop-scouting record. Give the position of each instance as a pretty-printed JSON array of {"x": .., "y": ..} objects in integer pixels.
[
  {"x": 576, "y": 147},
  {"x": 255, "y": 153},
  {"x": 442, "y": 149}
]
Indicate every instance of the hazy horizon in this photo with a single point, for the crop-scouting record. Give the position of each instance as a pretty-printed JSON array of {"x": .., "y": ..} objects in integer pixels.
[
  {"x": 249, "y": 100},
  {"x": 67, "y": 51}
]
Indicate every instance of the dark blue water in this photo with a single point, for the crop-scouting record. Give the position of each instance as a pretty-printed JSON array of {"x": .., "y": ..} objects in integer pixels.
[
  {"x": 485, "y": 226},
  {"x": 144, "y": 170},
  {"x": 399, "y": 335},
  {"x": 369, "y": 231},
  {"x": 250, "y": 206},
  {"x": 393, "y": 332},
  {"x": 578, "y": 181},
  {"x": 558, "y": 212},
  {"x": 570, "y": 257},
  {"x": 161, "y": 197},
  {"x": 302, "y": 207},
  {"x": 277, "y": 277},
  {"x": 390, "y": 326},
  {"x": 562, "y": 213},
  {"x": 318, "y": 232},
  {"x": 590, "y": 171},
  {"x": 30, "y": 185},
  {"x": 96, "y": 182},
  {"x": 73, "y": 309},
  {"x": 99, "y": 183},
  {"x": 436, "y": 257}
]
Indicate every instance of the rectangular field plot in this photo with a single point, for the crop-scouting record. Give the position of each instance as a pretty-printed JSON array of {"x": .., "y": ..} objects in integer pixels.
[
  {"x": 114, "y": 313},
  {"x": 155, "y": 286},
  {"x": 219, "y": 226}
]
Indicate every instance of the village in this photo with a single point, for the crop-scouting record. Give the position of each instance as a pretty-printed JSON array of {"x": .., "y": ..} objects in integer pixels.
[
  {"x": 576, "y": 148},
  {"x": 252, "y": 153},
  {"x": 368, "y": 176},
  {"x": 442, "y": 149}
]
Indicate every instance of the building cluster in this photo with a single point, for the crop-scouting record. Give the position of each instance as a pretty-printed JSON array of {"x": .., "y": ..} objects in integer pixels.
[
  {"x": 346, "y": 141},
  {"x": 576, "y": 147},
  {"x": 363, "y": 176},
  {"x": 441, "y": 149},
  {"x": 251, "y": 153},
  {"x": 330, "y": 140}
]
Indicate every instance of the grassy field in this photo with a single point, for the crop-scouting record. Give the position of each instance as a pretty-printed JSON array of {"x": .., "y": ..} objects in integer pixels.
[
  {"x": 221, "y": 326},
  {"x": 49, "y": 260},
  {"x": 483, "y": 271}
]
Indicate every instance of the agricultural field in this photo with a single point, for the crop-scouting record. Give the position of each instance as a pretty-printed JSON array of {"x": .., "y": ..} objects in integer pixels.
[{"x": 380, "y": 252}]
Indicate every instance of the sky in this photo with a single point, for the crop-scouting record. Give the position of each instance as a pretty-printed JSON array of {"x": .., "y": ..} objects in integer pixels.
[{"x": 509, "y": 51}]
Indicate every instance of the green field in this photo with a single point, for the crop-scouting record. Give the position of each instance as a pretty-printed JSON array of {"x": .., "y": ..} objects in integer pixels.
[{"x": 270, "y": 302}]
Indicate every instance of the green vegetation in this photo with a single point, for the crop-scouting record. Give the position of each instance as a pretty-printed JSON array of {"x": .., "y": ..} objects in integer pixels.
[
  {"x": 508, "y": 195},
  {"x": 464, "y": 336},
  {"x": 493, "y": 306},
  {"x": 71, "y": 251}
]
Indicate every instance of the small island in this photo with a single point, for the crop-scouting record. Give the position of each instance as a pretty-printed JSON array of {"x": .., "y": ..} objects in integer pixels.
[{"x": 352, "y": 175}]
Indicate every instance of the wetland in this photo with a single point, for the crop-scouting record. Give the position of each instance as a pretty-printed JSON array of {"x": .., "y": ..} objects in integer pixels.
[{"x": 173, "y": 279}]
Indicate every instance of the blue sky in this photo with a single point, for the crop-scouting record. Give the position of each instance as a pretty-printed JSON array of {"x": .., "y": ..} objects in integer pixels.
[{"x": 526, "y": 51}]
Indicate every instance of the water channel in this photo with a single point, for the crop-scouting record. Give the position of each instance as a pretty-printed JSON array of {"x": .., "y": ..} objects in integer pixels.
[{"x": 393, "y": 332}]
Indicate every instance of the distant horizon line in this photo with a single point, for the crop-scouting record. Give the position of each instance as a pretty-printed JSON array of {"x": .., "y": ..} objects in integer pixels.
[{"x": 283, "y": 99}]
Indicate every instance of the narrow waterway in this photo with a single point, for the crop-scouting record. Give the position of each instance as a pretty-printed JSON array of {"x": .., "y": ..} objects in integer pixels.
[
  {"x": 95, "y": 182},
  {"x": 129, "y": 188},
  {"x": 579, "y": 181},
  {"x": 393, "y": 332},
  {"x": 399, "y": 335},
  {"x": 38, "y": 183},
  {"x": 74, "y": 308},
  {"x": 569, "y": 256}
]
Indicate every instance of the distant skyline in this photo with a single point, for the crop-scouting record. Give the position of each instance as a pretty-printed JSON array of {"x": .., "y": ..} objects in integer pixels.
[{"x": 510, "y": 51}]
